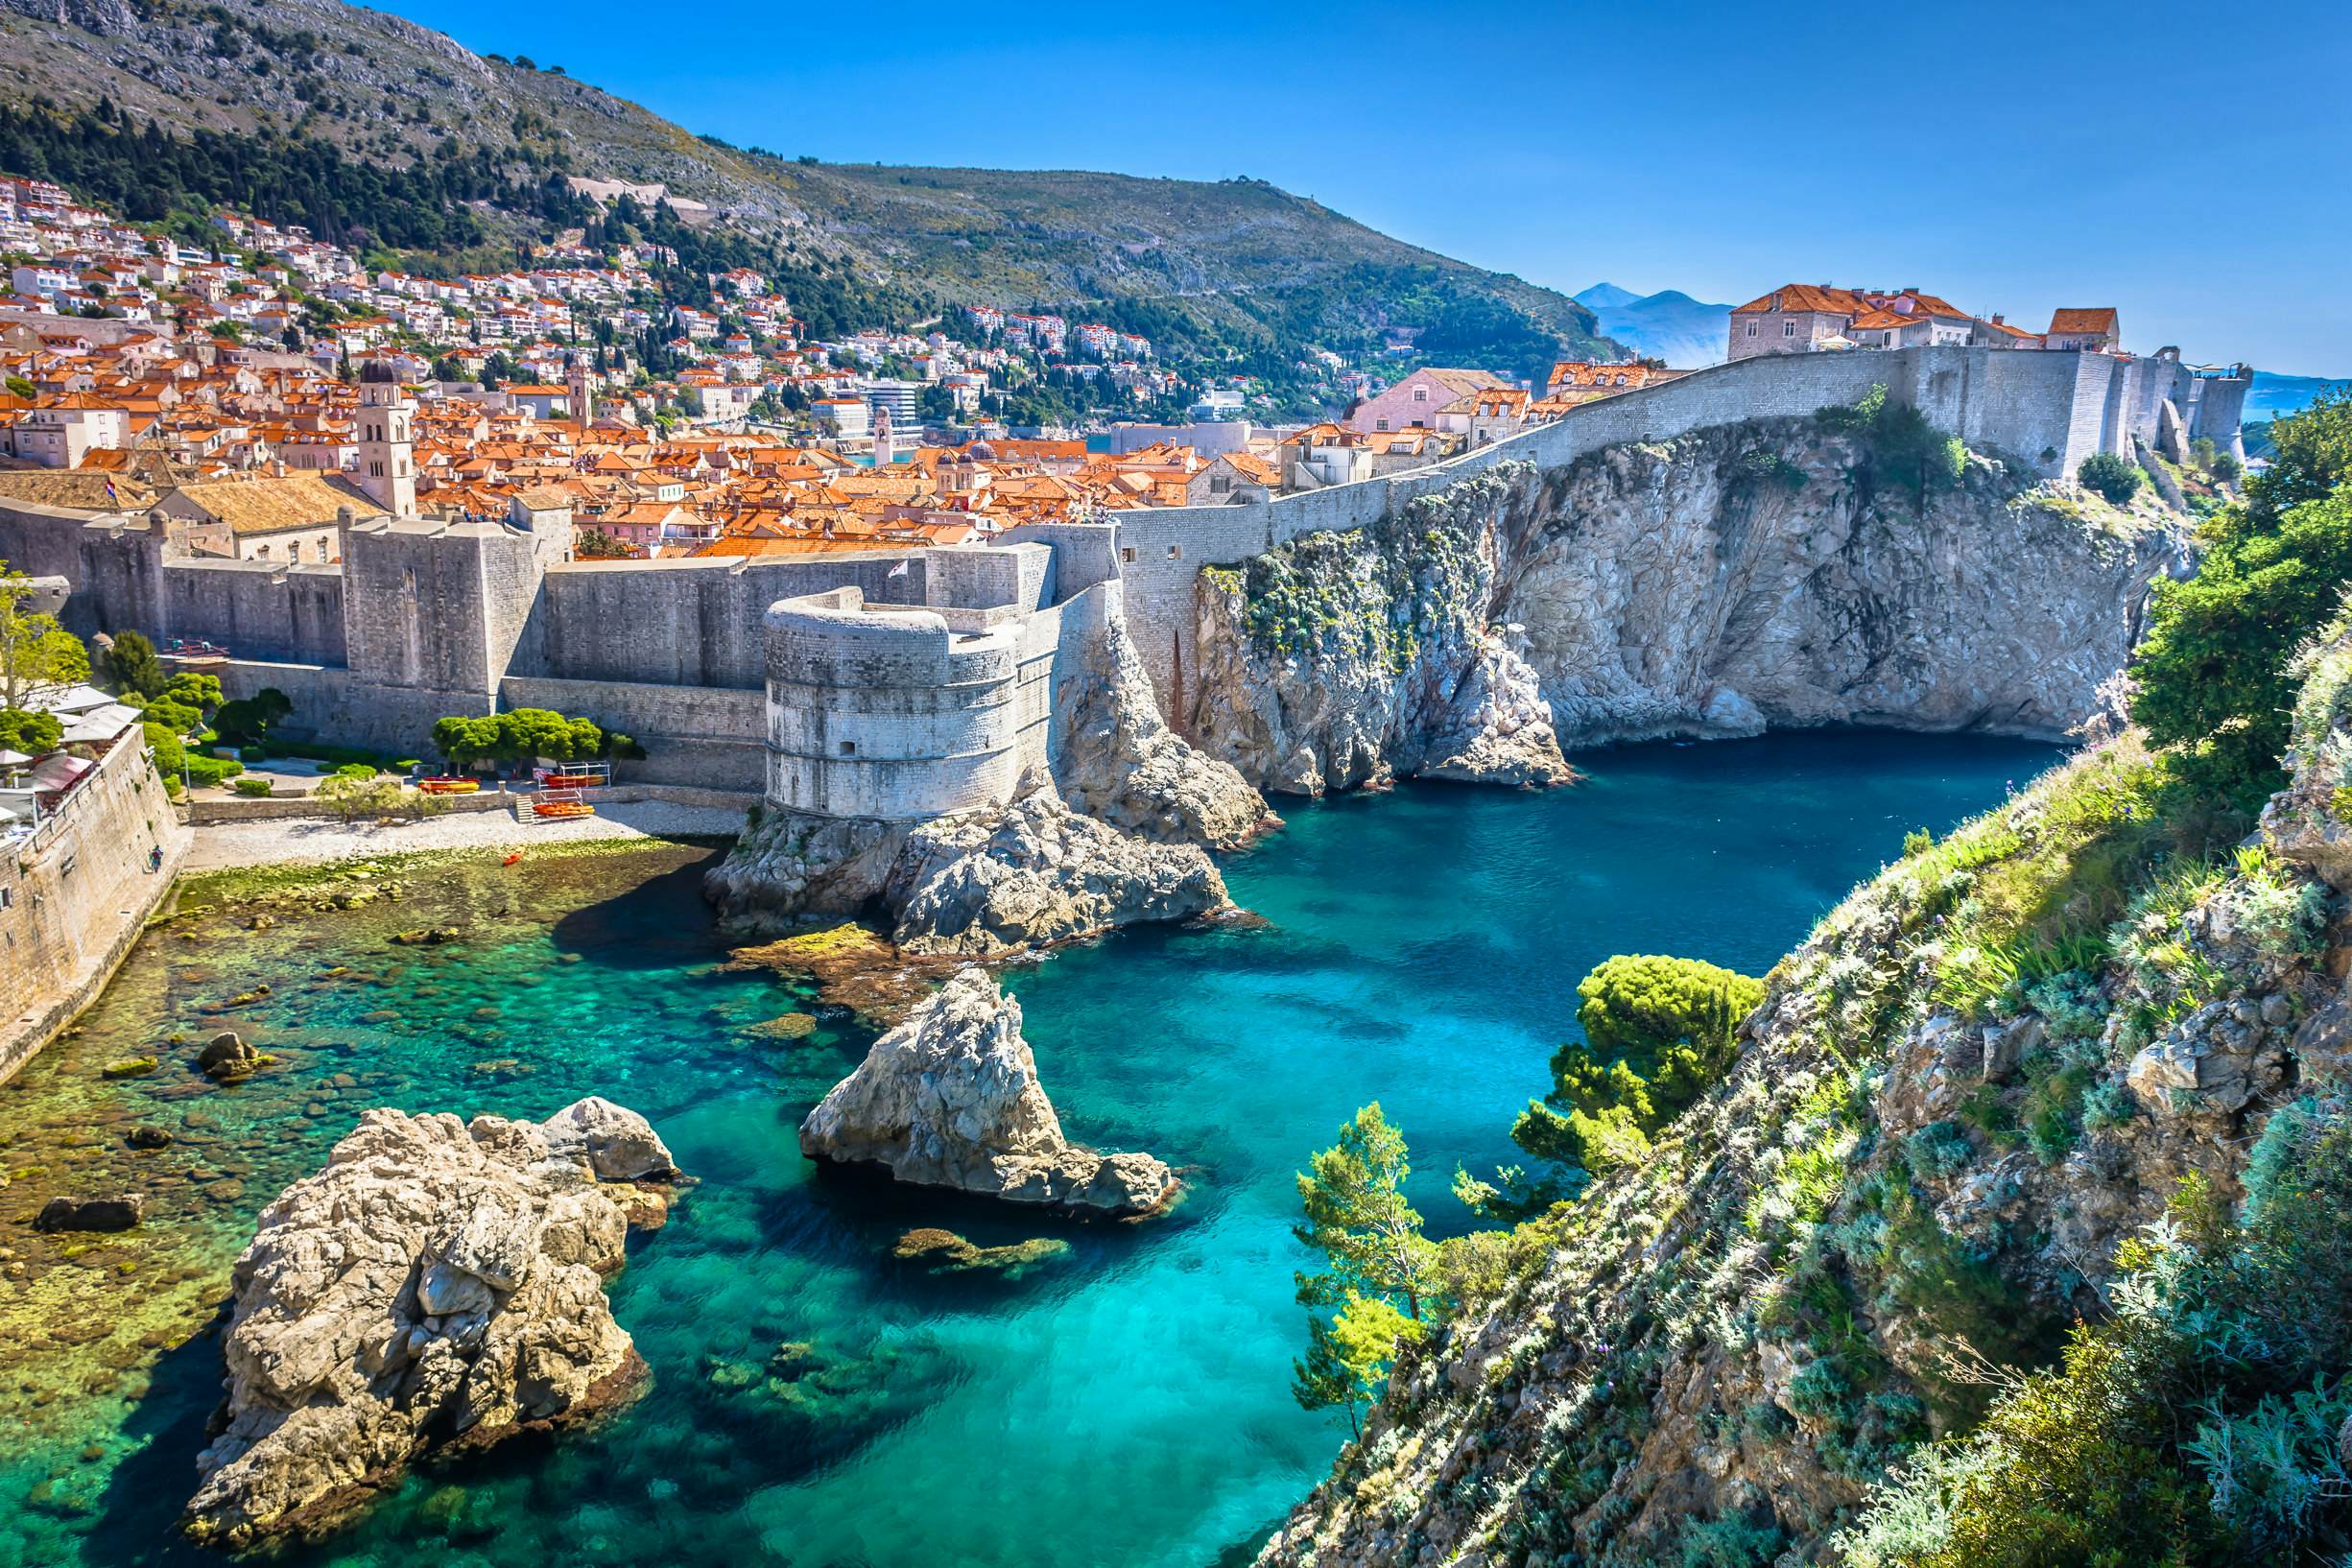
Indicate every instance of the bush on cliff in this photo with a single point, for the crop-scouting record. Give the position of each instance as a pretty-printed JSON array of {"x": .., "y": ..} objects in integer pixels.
[
  {"x": 2118, "y": 479},
  {"x": 1902, "y": 448},
  {"x": 2195, "y": 1427}
]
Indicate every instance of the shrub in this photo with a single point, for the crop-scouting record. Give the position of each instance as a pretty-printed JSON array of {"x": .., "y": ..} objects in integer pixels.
[
  {"x": 253, "y": 788},
  {"x": 33, "y": 732},
  {"x": 207, "y": 770},
  {"x": 1938, "y": 1150},
  {"x": 2226, "y": 467},
  {"x": 2116, "y": 478}
]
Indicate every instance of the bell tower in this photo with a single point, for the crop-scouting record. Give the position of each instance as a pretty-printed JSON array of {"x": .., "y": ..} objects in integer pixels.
[
  {"x": 387, "y": 440},
  {"x": 576, "y": 382}
]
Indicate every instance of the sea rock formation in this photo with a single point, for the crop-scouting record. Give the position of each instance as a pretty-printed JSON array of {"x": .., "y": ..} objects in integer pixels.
[
  {"x": 1733, "y": 1339},
  {"x": 439, "y": 1284},
  {"x": 117, "y": 1213},
  {"x": 983, "y": 883},
  {"x": 1766, "y": 573},
  {"x": 950, "y": 1098}
]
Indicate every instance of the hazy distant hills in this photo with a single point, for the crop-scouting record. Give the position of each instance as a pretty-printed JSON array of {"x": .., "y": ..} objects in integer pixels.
[
  {"x": 1236, "y": 263},
  {"x": 1669, "y": 324},
  {"x": 2275, "y": 395}
]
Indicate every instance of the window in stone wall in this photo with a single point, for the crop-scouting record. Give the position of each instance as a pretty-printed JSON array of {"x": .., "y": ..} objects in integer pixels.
[
  {"x": 1176, "y": 552},
  {"x": 1788, "y": 330},
  {"x": 849, "y": 749},
  {"x": 1127, "y": 553}
]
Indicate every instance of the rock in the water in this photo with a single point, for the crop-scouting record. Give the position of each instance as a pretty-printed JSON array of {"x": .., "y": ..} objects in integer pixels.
[
  {"x": 92, "y": 1213},
  {"x": 950, "y": 1098},
  {"x": 946, "y": 1252},
  {"x": 439, "y": 1283},
  {"x": 227, "y": 1058},
  {"x": 986, "y": 882},
  {"x": 148, "y": 1135},
  {"x": 982, "y": 883}
]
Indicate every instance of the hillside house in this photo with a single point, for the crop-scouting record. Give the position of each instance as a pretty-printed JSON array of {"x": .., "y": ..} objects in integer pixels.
[
  {"x": 1430, "y": 398},
  {"x": 2100, "y": 329}
]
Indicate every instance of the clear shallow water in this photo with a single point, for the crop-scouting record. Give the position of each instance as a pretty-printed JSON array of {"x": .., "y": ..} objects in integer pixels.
[{"x": 1127, "y": 1403}]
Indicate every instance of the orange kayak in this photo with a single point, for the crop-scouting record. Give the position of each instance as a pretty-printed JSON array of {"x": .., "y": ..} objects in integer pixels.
[
  {"x": 449, "y": 785},
  {"x": 562, "y": 808}
]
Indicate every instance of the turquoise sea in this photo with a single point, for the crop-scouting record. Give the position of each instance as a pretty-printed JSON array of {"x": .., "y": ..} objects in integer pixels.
[{"x": 1125, "y": 1403}]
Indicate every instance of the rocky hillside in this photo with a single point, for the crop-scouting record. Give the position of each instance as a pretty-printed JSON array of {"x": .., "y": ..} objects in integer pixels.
[
  {"x": 1239, "y": 259},
  {"x": 1840, "y": 569},
  {"x": 2068, "y": 1062}
]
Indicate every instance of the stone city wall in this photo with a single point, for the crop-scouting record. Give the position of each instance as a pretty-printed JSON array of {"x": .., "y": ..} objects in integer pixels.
[{"x": 75, "y": 895}]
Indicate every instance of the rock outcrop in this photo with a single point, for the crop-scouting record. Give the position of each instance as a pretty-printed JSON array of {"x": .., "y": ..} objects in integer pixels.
[
  {"x": 982, "y": 883},
  {"x": 950, "y": 1098},
  {"x": 438, "y": 1284},
  {"x": 1122, "y": 765},
  {"x": 1766, "y": 573}
]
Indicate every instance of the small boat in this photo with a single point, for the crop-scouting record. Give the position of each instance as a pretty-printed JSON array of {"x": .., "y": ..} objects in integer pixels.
[
  {"x": 449, "y": 785},
  {"x": 512, "y": 859},
  {"x": 570, "y": 781},
  {"x": 562, "y": 808}
]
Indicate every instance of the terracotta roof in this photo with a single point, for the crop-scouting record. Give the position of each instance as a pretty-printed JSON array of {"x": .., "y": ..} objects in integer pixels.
[
  {"x": 2098, "y": 319},
  {"x": 1807, "y": 297},
  {"x": 81, "y": 490},
  {"x": 267, "y": 505}
]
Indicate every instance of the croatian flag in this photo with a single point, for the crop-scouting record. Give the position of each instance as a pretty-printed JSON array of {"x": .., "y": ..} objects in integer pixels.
[{"x": 899, "y": 570}]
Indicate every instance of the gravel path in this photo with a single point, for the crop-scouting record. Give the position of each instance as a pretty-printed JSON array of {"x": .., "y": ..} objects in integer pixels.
[{"x": 223, "y": 844}]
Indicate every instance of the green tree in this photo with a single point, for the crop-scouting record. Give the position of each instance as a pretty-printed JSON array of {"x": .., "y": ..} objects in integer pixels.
[
  {"x": 30, "y": 731},
  {"x": 201, "y": 692},
  {"x": 2213, "y": 673},
  {"x": 35, "y": 651},
  {"x": 1379, "y": 1272},
  {"x": 2116, "y": 478},
  {"x": 247, "y": 721},
  {"x": 1358, "y": 1218},
  {"x": 171, "y": 751},
  {"x": 1658, "y": 1033}
]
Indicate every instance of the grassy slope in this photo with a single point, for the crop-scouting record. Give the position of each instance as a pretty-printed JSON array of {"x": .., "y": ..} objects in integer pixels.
[{"x": 1008, "y": 237}]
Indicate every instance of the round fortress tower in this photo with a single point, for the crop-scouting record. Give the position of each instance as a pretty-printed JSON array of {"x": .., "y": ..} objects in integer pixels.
[{"x": 889, "y": 712}]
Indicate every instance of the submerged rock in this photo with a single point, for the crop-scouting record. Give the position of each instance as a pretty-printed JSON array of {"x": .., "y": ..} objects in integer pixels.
[
  {"x": 227, "y": 1058},
  {"x": 119, "y": 1213},
  {"x": 947, "y": 1252},
  {"x": 437, "y": 1284},
  {"x": 950, "y": 1098}
]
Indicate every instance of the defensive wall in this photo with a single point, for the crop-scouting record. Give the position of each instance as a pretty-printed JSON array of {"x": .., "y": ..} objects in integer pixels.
[
  {"x": 422, "y": 618},
  {"x": 2044, "y": 412},
  {"x": 76, "y": 894}
]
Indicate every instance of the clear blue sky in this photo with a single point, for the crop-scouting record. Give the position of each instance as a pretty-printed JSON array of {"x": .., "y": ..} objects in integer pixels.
[{"x": 2190, "y": 164}]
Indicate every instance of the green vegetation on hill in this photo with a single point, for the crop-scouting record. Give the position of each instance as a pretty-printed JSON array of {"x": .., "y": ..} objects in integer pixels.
[{"x": 359, "y": 123}]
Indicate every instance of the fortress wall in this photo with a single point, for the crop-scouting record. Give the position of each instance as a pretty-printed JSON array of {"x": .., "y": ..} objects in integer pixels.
[
  {"x": 1019, "y": 577},
  {"x": 889, "y": 714},
  {"x": 1084, "y": 554},
  {"x": 694, "y": 622},
  {"x": 708, "y": 736},
  {"x": 417, "y": 611},
  {"x": 79, "y": 890},
  {"x": 257, "y": 609},
  {"x": 111, "y": 564}
]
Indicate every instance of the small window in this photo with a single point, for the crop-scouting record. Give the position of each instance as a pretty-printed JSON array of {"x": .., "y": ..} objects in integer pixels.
[
  {"x": 1420, "y": 395},
  {"x": 1751, "y": 329},
  {"x": 7, "y": 898},
  {"x": 1176, "y": 552},
  {"x": 849, "y": 749},
  {"x": 1788, "y": 330},
  {"x": 1127, "y": 553},
  {"x": 1381, "y": 423}
]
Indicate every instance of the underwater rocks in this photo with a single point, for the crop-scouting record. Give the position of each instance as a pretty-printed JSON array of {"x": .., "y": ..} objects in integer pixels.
[
  {"x": 226, "y": 1059},
  {"x": 92, "y": 1213},
  {"x": 950, "y": 1098},
  {"x": 438, "y": 1284},
  {"x": 981, "y": 883},
  {"x": 948, "y": 1254}
]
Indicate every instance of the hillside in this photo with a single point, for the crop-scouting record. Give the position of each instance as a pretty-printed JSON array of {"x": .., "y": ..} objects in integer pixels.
[
  {"x": 1235, "y": 267},
  {"x": 1670, "y": 325}
]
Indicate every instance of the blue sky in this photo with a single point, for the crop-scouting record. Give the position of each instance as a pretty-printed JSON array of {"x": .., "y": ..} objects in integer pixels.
[{"x": 2190, "y": 164}]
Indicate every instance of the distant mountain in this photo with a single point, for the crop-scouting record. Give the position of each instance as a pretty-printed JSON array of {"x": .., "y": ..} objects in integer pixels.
[
  {"x": 1240, "y": 269},
  {"x": 1669, "y": 324},
  {"x": 2275, "y": 395}
]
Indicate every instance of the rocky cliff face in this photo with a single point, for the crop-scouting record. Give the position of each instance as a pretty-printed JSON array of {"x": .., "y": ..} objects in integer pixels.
[
  {"x": 1750, "y": 575},
  {"x": 439, "y": 1284},
  {"x": 950, "y": 1098},
  {"x": 1918, "y": 1173}
]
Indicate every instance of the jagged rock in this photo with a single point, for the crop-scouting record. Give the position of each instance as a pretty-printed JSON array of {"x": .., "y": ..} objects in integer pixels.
[
  {"x": 950, "y": 1098},
  {"x": 990, "y": 882},
  {"x": 980, "y": 883},
  {"x": 227, "y": 1058},
  {"x": 148, "y": 1135},
  {"x": 946, "y": 1252},
  {"x": 92, "y": 1213},
  {"x": 438, "y": 1283},
  {"x": 1121, "y": 764}
]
